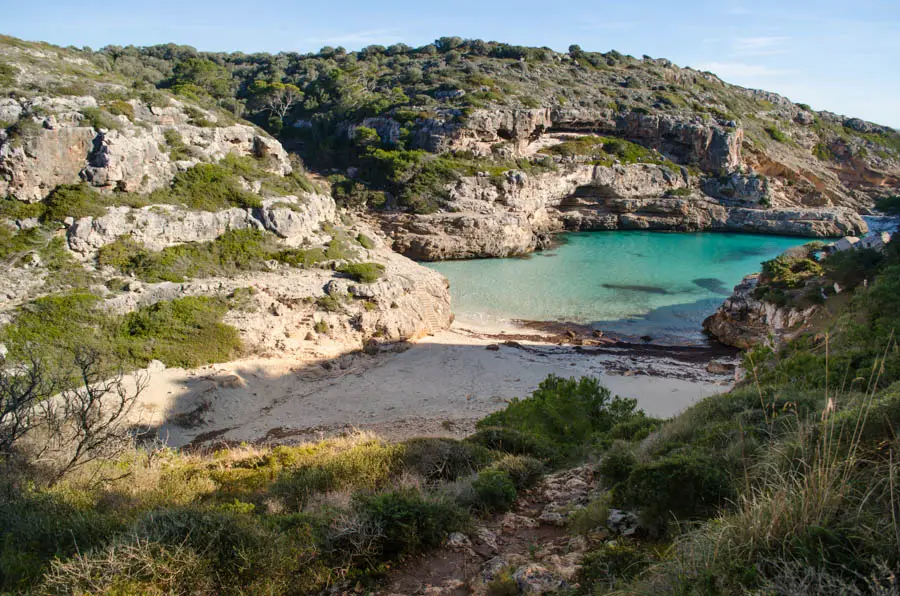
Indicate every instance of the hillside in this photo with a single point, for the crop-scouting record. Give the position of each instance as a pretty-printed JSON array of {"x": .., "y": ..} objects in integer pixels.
[
  {"x": 164, "y": 208},
  {"x": 468, "y": 148}
]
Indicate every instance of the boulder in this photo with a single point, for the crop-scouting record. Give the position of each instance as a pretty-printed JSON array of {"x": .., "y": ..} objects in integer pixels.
[{"x": 536, "y": 579}]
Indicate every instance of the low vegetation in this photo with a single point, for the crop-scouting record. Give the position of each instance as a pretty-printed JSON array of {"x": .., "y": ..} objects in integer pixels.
[
  {"x": 185, "y": 332},
  {"x": 299, "y": 519},
  {"x": 608, "y": 151}
]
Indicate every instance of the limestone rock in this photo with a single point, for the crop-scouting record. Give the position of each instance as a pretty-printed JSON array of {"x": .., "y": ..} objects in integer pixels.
[
  {"x": 744, "y": 321},
  {"x": 535, "y": 579},
  {"x": 43, "y": 161},
  {"x": 133, "y": 156},
  {"x": 159, "y": 226}
]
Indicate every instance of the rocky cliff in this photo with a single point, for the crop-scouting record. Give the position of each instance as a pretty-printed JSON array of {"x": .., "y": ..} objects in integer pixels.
[
  {"x": 490, "y": 219},
  {"x": 65, "y": 140},
  {"x": 124, "y": 164},
  {"x": 745, "y": 321}
]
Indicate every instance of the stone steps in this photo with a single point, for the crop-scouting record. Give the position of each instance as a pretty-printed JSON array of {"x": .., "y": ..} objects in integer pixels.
[{"x": 429, "y": 310}]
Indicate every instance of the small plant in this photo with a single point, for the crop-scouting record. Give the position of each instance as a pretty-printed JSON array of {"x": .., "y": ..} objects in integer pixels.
[
  {"x": 494, "y": 491},
  {"x": 777, "y": 134},
  {"x": 365, "y": 242},
  {"x": 322, "y": 327},
  {"x": 178, "y": 150},
  {"x": 363, "y": 272}
]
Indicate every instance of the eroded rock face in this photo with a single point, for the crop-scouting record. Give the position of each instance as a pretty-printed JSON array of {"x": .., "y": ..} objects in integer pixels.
[
  {"x": 135, "y": 156},
  {"x": 744, "y": 321},
  {"x": 282, "y": 315},
  {"x": 31, "y": 167},
  {"x": 156, "y": 227},
  {"x": 711, "y": 146},
  {"x": 516, "y": 216}
]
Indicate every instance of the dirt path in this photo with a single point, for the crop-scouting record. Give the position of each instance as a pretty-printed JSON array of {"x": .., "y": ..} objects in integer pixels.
[{"x": 530, "y": 545}]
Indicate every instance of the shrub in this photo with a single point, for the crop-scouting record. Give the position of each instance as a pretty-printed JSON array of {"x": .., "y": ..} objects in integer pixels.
[
  {"x": 494, "y": 491},
  {"x": 676, "y": 486},
  {"x": 238, "y": 547},
  {"x": 617, "y": 464},
  {"x": 209, "y": 187},
  {"x": 136, "y": 566},
  {"x": 365, "y": 242},
  {"x": 522, "y": 470},
  {"x": 777, "y": 135},
  {"x": 564, "y": 413},
  {"x": 178, "y": 150},
  {"x": 8, "y": 74},
  {"x": 120, "y": 108},
  {"x": 186, "y": 332},
  {"x": 508, "y": 440},
  {"x": 612, "y": 564},
  {"x": 233, "y": 251},
  {"x": 850, "y": 268},
  {"x": 72, "y": 200},
  {"x": 34, "y": 529},
  {"x": 590, "y": 518},
  {"x": 99, "y": 119},
  {"x": 409, "y": 523},
  {"x": 363, "y": 272},
  {"x": 443, "y": 459},
  {"x": 502, "y": 585}
]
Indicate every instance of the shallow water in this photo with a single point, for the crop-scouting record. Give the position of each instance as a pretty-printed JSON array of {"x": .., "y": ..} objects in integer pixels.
[{"x": 627, "y": 282}]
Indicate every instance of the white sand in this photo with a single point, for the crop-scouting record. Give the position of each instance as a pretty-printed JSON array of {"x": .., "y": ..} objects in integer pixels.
[{"x": 438, "y": 386}]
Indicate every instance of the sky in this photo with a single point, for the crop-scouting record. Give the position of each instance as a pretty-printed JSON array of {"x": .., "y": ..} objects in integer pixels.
[{"x": 834, "y": 55}]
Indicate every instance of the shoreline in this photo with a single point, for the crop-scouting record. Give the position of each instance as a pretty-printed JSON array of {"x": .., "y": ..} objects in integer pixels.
[{"x": 439, "y": 385}]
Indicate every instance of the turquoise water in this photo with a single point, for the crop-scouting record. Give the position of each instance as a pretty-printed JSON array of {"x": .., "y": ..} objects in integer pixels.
[{"x": 629, "y": 283}]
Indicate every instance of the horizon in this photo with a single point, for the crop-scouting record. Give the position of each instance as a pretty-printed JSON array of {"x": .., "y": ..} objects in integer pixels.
[{"x": 809, "y": 53}]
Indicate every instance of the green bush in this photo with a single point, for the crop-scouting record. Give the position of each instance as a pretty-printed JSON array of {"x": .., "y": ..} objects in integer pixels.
[
  {"x": 100, "y": 119},
  {"x": 612, "y": 564},
  {"x": 8, "y": 74},
  {"x": 239, "y": 548},
  {"x": 617, "y": 464},
  {"x": 186, "y": 332},
  {"x": 777, "y": 135},
  {"x": 36, "y": 528},
  {"x": 209, "y": 187},
  {"x": 230, "y": 253},
  {"x": 676, "y": 487},
  {"x": 410, "y": 523},
  {"x": 850, "y": 268},
  {"x": 494, "y": 491},
  {"x": 363, "y": 272},
  {"x": 522, "y": 470},
  {"x": 14, "y": 243},
  {"x": 508, "y": 440},
  {"x": 564, "y": 413},
  {"x": 178, "y": 150},
  {"x": 365, "y": 242},
  {"x": 443, "y": 459},
  {"x": 72, "y": 200}
]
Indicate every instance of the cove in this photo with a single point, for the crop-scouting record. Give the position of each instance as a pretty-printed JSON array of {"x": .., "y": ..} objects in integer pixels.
[{"x": 630, "y": 283}]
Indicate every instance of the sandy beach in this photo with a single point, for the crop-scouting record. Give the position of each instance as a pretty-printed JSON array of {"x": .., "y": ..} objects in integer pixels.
[{"x": 437, "y": 386}]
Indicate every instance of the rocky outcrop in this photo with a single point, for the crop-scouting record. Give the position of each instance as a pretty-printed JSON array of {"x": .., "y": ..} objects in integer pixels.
[
  {"x": 282, "y": 312},
  {"x": 516, "y": 215},
  {"x": 134, "y": 154},
  {"x": 294, "y": 219},
  {"x": 712, "y": 146},
  {"x": 744, "y": 321},
  {"x": 32, "y": 166}
]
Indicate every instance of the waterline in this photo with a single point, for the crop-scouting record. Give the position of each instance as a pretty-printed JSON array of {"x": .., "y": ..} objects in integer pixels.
[{"x": 627, "y": 282}]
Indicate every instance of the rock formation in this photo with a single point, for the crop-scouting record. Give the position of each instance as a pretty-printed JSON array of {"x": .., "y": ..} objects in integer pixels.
[{"x": 744, "y": 321}]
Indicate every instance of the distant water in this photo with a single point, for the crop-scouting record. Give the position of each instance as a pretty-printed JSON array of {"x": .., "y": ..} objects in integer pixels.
[{"x": 627, "y": 282}]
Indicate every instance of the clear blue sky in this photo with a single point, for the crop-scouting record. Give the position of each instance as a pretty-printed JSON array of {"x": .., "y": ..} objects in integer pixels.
[{"x": 834, "y": 55}]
